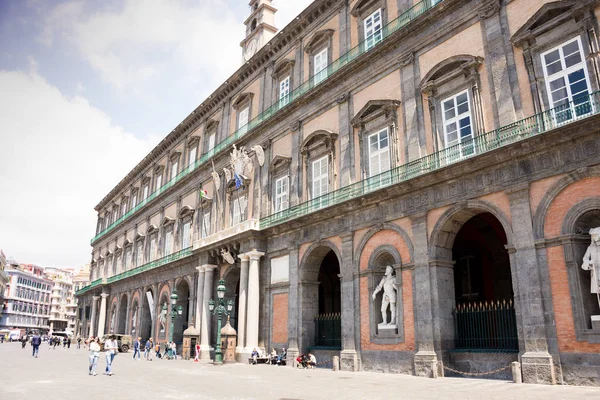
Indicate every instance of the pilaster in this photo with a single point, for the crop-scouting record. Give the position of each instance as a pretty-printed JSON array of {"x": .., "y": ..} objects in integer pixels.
[
  {"x": 242, "y": 302},
  {"x": 205, "y": 327}
]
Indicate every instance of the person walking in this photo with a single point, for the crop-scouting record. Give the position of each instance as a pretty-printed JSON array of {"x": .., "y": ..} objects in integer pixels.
[
  {"x": 136, "y": 349},
  {"x": 68, "y": 343},
  {"x": 110, "y": 349},
  {"x": 78, "y": 342},
  {"x": 196, "y": 359},
  {"x": 157, "y": 350},
  {"x": 174, "y": 350},
  {"x": 36, "y": 340},
  {"x": 94, "y": 355},
  {"x": 149, "y": 347}
]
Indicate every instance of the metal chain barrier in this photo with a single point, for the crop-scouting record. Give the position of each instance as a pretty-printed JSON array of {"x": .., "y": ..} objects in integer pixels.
[{"x": 476, "y": 373}]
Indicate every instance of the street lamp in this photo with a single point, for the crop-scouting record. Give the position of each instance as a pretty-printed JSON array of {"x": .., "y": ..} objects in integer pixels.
[
  {"x": 176, "y": 311},
  {"x": 220, "y": 310}
]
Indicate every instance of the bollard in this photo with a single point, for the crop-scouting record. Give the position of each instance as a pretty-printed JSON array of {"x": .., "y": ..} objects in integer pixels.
[
  {"x": 434, "y": 369},
  {"x": 515, "y": 368},
  {"x": 336, "y": 363}
]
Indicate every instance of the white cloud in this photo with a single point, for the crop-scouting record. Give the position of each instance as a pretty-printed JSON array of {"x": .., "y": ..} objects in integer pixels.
[{"x": 60, "y": 156}]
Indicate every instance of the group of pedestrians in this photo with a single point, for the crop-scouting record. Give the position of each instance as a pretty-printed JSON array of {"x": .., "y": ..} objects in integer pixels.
[
  {"x": 111, "y": 348},
  {"x": 170, "y": 350}
]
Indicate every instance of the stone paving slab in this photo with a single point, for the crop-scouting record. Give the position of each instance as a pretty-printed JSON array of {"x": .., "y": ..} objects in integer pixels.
[{"x": 63, "y": 374}]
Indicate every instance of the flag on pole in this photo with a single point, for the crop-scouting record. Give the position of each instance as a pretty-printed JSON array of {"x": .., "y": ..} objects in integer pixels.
[
  {"x": 238, "y": 180},
  {"x": 203, "y": 194}
]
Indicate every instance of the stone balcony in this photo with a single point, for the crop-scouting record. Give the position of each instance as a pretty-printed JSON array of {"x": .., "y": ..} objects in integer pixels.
[{"x": 224, "y": 234}]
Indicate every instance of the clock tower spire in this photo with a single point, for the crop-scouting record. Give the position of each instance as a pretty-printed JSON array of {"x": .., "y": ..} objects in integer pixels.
[{"x": 260, "y": 27}]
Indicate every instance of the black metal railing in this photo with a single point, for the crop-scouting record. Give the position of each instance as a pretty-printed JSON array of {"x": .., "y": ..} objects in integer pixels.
[
  {"x": 486, "y": 326},
  {"x": 328, "y": 330}
]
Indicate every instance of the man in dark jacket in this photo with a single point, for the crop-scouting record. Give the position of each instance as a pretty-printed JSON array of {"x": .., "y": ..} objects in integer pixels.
[{"x": 36, "y": 340}]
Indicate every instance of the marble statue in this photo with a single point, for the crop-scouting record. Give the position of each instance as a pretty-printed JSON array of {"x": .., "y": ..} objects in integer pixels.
[
  {"x": 162, "y": 318},
  {"x": 227, "y": 256},
  {"x": 113, "y": 319},
  {"x": 389, "y": 286},
  {"x": 134, "y": 318},
  {"x": 591, "y": 262}
]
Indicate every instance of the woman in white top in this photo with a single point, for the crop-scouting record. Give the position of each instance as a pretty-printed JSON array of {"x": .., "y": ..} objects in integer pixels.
[
  {"x": 94, "y": 355},
  {"x": 110, "y": 349}
]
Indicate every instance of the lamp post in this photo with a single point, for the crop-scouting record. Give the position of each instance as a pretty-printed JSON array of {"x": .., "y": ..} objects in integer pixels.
[
  {"x": 176, "y": 311},
  {"x": 220, "y": 310}
]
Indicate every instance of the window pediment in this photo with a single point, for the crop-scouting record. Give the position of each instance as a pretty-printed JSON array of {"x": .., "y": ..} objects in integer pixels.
[
  {"x": 118, "y": 250},
  {"x": 280, "y": 162},
  {"x": 167, "y": 221},
  {"x": 374, "y": 109},
  {"x": 159, "y": 169},
  {"x": 175, "y": 155},
  {"x": 127, "y": 243},
  {"x": 318, "y": 138},
  {"x": 547, "y": 17},
  {"x": 151, "y": 229},
  {"x": 211, "y": 125},
  {"x": 138, "y": 236},
  {"x": 363, "y": 6},
  {"x": 283, "y": 66},
  {"x": 242, "y": 100},
  {"x": 448, "y": 69},
  {"x": 318, "y": 39},
  {"x": 193, "y": 141},
  {"x": 186, "y": 211}
]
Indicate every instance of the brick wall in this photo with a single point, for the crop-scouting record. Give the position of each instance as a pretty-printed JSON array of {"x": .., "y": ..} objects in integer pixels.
[{"x": 280, "y": 318}]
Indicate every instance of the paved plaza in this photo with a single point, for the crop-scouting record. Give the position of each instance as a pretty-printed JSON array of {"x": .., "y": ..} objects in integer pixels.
[{"x": 62, "y": 374}]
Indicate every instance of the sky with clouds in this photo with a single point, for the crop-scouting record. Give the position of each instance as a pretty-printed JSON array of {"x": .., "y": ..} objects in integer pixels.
[{"x": 87, "y": 89}]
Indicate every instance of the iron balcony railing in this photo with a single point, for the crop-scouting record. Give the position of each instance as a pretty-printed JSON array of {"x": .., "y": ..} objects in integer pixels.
[
  {"x": 92, "y": 285},
  {"x": 138, "y": 270},
  {"x": 581, "y": 107},
  {"x": 486, "y": 327},
  {"x": 365, "y": 46},
  {"x": 328, "y": 330}
]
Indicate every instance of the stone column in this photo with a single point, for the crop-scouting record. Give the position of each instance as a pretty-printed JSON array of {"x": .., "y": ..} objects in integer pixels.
[
  {"x": 102, "y": 317},
  {"x": 205, "y": 331},
  {"x": 348, "y": 356},
  {"x": 293, "y": 311},
  {"x": 536, "y": 361},
  {"x": 199, "y": 297},
  {"x": 425, "y": 356},
  {"x": 93, "y": 318},
  {"x": 253, "y": 300},
  {"x": 242, "y": 302}
]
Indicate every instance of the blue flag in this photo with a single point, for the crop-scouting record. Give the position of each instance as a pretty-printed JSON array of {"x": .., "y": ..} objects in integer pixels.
[{"x": 238, "y": 180}]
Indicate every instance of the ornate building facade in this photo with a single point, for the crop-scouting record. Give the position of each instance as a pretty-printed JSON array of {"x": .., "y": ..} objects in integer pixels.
[{"x": 455, "y": 141}]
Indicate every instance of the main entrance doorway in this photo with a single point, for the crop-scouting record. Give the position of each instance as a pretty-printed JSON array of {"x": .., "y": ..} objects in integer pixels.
[
  {"x": 484, "y": 316},
  {"x": 328, "y": 322}
]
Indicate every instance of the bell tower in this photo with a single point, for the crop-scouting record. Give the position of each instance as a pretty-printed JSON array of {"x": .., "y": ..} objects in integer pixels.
[{"x": 260, "y": 27}]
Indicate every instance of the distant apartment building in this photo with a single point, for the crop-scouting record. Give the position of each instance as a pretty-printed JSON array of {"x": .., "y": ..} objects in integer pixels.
[
  {"x": 62, "y": 303},
  {"x": 81, "y": 280},
  {"x": 3, "y": 280},
  {"x": 26, "y": 299}
]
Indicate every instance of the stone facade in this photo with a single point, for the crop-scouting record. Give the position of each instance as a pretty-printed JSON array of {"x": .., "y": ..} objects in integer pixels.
[{"x": 299, "y": 225}]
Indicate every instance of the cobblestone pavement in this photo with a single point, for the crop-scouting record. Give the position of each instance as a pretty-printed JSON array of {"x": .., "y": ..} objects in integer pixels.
[{"x": 63, "y": 374}]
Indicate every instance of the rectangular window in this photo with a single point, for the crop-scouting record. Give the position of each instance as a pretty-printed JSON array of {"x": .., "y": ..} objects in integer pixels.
[
  {"x": 185, "y": 240},
  {"x": 153, "y": 249},
  {"x": 284, "y": 91},
  {"x": 145, "y": 193},
  {"x": 458, "y": 129},
  {"x": 243, "y": 116},
  {"x": 373, "y": 32},
  {"x": 239, "y": 210},
  {"x": 567, "y": 81},
  {"x": 158, "y": 182},
  {"x": 320, "y": 177},
  {"x": 192, "y": 156},
  {"x": 168, "y": 243},
  {"x": 124, "y": 207},
  {"x": 281, "y": 194},
  {"x": 140, "y": 254},
  {"x": 211, "y": 141},
  {"x": 134, "y": 200},
  {"x": 174, "y": 167},
  {"x": 119, "y": 264},
  {"x": 320, "y": 66},
  {"x": 379, "y": 152},
  {"x": 205, "y": 228}
]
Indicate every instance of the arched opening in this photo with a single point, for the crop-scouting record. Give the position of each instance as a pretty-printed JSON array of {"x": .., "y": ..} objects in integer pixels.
[
  {"x": 146, "y": 323},
  {"x": 484, "y": 313},
  {"x": 163, "y": 319},
  {"x": 321, "y": 300},
  {"x": 181, "y": 323},
  {"x": 134, "y": 318},
  {"x": 253, "y": 25},
  {"x": 122, "y": 324},
  {"x": 232, "y": 285}
]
